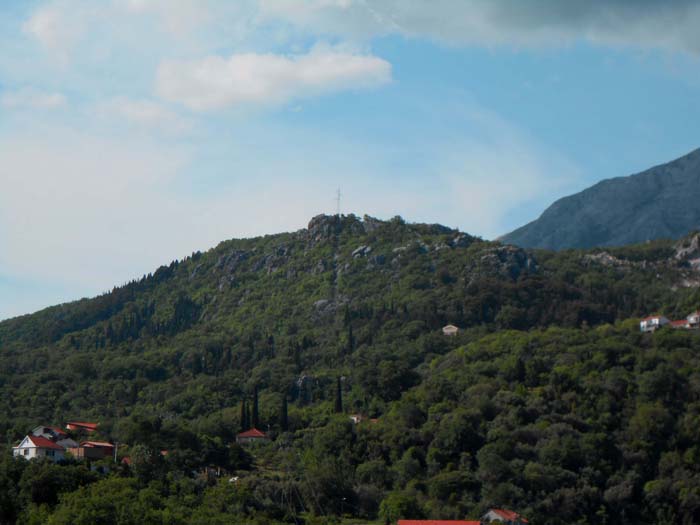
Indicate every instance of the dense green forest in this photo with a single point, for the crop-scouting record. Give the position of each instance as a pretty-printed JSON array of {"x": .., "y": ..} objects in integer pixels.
[{"x": 549, "y": 401}]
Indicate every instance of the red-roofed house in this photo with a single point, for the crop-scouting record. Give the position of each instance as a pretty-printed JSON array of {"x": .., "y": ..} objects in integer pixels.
[
  {"x": 52, "y": 433},
  {"x": 652, "y": 323},
  {"x": 507, "y": 517},
  {"x": 82, "y": 425},
  {"x": 56, "y": 435},
  {"x": 252, "y": 436},
  {"x": 437, "y": 522},
  {"x": 38, "y": 447},
  {"x": 681, "y": 324},
  {"x": 92, "y": 450}
]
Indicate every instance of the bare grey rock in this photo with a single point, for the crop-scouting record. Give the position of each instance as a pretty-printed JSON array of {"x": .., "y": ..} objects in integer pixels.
[{"x": 361, "y": 251}]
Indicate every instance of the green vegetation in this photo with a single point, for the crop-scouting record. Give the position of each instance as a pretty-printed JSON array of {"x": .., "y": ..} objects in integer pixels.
[{"x": 549, "y": 401}]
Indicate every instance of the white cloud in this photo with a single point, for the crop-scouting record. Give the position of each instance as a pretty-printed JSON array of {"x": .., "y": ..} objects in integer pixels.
[
  {"x": 216, "y": 82},
  {"x": 146, "y": 114},
  {"x": 210, "y": 25},
  {"x": 644, "y": 24},
  {"x": 58, "y": 26},
  {"x": 31, "y": 99},
  {"x": 178, "y": 16}
]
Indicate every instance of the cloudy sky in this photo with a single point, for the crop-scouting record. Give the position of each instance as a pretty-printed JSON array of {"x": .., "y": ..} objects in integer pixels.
[{"x": 134, "y": 132}]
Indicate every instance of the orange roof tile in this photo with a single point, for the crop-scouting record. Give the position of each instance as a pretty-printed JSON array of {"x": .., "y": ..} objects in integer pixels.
[{"x": 254, "y": 433}]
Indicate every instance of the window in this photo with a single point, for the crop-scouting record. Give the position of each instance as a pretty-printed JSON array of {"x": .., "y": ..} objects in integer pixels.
[
  {"x": 25, "y": 452},
  {"x": 50, "y": 453}
]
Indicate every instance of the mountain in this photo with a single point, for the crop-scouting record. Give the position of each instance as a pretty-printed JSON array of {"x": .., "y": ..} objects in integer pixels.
[
  {"x": 659, "y": 203},
  {"x": 548, "y": 401}
]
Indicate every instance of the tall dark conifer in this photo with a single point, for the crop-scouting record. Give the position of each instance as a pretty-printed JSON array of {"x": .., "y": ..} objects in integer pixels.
[
  {"x": 256, "y": 413},
  {"x": 338, "y": 398},
  {"x": 284, "y": 417},
  {"x": 244, "y": 416}
]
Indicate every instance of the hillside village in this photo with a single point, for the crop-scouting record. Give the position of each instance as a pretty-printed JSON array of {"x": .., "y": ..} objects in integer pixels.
[{"x": 654, "y": 322}]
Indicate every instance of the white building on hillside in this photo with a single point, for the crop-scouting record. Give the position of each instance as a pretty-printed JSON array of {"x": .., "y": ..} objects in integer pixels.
[
  {"x": 38, "y": 447},
  {"x": 450, "y": 330},
  {"x": 653, "y": 323}
]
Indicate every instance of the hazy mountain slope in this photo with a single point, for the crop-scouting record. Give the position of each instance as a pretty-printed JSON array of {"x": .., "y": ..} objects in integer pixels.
[{"x": 660, "y": 203}]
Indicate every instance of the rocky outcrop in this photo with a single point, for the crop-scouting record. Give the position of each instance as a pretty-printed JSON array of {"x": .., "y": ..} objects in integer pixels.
[
  {"x": 231, "y": 261},
  {"x": 508, "y": 262},
  {"x": 688, "y": 251},
  {"x": 322, "y": 227},
  {"x": 605, "y": 259},
  {"x": 361, "y": 251}
]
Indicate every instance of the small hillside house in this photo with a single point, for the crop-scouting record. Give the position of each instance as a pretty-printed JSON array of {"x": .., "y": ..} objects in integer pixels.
[
  {"x": 252, "y": 436},
  {"x": 32, "y": 447},
  {"x": 56, "y": 435},
  {"x": 357, "y": 418},
  {"x": 82, "y": 425},
  {"x": 653, "y": 323},
  {"x": 92, "y": 450},
  {"x": 694, "y": 320},
  {"x": 52, "y": 433},
  {"x": 679, "y": 325},
  {"x": 450, "y": 329},
  {"x": 506, "y": 517}
]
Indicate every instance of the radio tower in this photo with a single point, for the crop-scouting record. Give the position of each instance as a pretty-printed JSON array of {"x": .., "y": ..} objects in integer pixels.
[{"x": 337, "y": 202}]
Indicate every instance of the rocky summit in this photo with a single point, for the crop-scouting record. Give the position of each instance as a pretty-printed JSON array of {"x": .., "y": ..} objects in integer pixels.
[{"x": 659, "y": 203}]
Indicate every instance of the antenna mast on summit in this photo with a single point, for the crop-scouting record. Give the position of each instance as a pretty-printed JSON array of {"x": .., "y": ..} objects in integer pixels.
[{"x": 337, "y": 202}]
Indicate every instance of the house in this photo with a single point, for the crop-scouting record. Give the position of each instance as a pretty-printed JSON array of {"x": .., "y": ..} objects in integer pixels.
[
  {"x": 32, "y": 447},
  {"x": 450, "y": 330},
  {"x": 82, "y": 425},
  {"x": 694, "y": 320},
  {"x": 56, "y": 435},
  {"x": 252, "y": 436},
  {"x": 356, "y": 418},
  {"x": 652, "y": 323},
  {"x": 506, "y": 517},
  {"x": 52, "y": 433},
  {"x": 437, "y": 522},
  {"x": 94, "y": 450},
  {"x": 682, "y": 324}
]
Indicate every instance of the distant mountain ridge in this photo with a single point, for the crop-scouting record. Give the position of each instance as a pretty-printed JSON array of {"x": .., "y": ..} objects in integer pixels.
[{"x": 661, "y": 202}]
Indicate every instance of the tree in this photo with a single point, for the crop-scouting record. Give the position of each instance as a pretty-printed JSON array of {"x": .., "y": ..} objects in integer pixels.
[
  {"x": 399, "y": 505},
  {"x": 243, "y": 416},
  {"x": 256, "y": 413},
  {"x": 338, "y": 397},
  {"x": 284, "y": 417}
]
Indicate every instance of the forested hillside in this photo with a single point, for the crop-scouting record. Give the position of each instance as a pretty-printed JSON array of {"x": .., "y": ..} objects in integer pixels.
[{"x": 548, "y": 401}]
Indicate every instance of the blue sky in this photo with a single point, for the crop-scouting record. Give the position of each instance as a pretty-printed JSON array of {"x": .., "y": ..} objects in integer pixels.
[{"x": 134, "y": 132}]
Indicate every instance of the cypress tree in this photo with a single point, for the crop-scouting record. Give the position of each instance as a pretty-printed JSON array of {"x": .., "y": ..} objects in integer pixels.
[
  {"x": 284, "y": 417},
  {"x": 351, "y": 340},
  {"x": 256, "y": 413},
  {"x": 338, "y": 398},
  {"x": 243, "y": 416}
]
